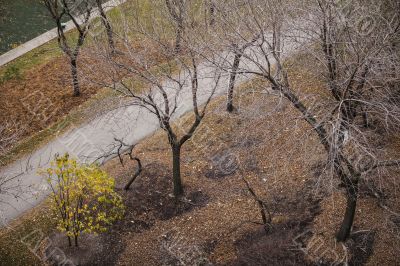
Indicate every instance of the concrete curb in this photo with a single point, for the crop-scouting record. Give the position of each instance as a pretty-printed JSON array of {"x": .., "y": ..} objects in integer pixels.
[{"x": 48, "y": 36}]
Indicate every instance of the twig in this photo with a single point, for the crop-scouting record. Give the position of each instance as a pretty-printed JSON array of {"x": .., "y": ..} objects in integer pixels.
[
  {"x": 265, "y": 214},
  {"x": 133, "y": 158}
]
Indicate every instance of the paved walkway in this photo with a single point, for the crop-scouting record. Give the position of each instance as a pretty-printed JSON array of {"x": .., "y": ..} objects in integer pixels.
[
  {"x": 96, "y": 138},
  {"x": 50, "y": 35}
]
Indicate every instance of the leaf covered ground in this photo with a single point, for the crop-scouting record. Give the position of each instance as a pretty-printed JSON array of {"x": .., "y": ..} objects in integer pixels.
[{"x": 264, "y": 141}]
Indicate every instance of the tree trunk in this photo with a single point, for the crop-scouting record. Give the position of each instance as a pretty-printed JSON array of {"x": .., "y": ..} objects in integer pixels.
[
  {"x": 365, "y": 119},
  {"x": 277, "y": 49},
  {"x": 347, "y": 223},
  {"x": 212, "y": 12},
  {"x": 232, "y": 80},
  {"x": 178, "y": 41},
  {"x": 108, "y": 27},
  {"x": 75, "y": 82},
  {"x": 137, "y": 173},
  {"x": 110, "y": 36},
  {"x": 176, "y": 169},
  {"x": 265, "y": 214},
  {"x": 76, "y": 240}
]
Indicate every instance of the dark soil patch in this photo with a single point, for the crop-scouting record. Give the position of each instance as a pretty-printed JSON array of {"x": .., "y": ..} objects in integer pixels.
[
  {"x": 222, "y": 164},
  {"x": 151, "y": 199},
  {"x": 173, "y": 246},
  {"x": 285, "y": 242},
  {"x": 256, "y": 248},
  {"x": 318, "y": 168},
  {"x": 361, "y": 247},
  {"x": 100, "y": 249}
]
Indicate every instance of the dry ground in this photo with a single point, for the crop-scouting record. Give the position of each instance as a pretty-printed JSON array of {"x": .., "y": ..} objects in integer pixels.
[
  {"x": 38, "y": 104},
  {"x": 217, "y": 219},
  {"x": 42, "y": 96},
  {"x": 267, "y": 143}
]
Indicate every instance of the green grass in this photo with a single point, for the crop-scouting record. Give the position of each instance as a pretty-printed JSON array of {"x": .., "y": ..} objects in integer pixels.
[{"x": 37, "y": 56}]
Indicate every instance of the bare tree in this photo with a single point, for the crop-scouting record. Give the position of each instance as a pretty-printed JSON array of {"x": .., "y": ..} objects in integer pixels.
[
  {"x": 351, "y": 59},
  {"x": 61, "y": 9},
  {"x": 136, "y": 174},
  {"x": 265, "y": 212},
  {"x": 172, "y": 88},
  {"x": 236, "y": 47},
  {"x": 238, "y": 53},
  {"x": 177, "y": 10},
  {"x": 211, "y": 10},
  {"x": 165, "y": 107},
  {"x": 107, "y": 25},
  {"x": 120, "y": 149},
  {"x": 354, "y": 66}
]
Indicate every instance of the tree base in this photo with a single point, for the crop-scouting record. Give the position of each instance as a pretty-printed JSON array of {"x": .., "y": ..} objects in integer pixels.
[{"x": 230, "y": 108}]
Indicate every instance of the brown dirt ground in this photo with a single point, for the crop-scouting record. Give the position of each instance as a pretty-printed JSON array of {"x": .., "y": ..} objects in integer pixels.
[
  {"x": 275, "y": 157},
  {"x": 42, "y": 96},
  {"x": 217, "y": 221}
]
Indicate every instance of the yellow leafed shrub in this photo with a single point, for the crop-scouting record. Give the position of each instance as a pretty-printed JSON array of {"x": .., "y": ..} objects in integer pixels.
[{"x": 83, "y": 197}]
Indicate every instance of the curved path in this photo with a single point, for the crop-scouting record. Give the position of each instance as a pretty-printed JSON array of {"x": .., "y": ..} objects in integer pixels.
[{"x": 97, "y": 138}]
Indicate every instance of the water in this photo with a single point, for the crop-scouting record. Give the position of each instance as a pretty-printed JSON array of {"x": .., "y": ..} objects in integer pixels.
[{"x": 21, "y": 21}]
